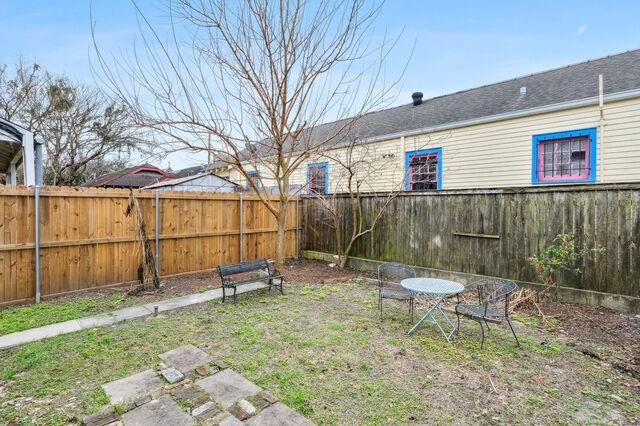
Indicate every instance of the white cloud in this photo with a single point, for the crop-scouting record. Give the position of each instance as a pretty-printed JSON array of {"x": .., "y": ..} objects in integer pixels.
[{"x": 582, "y": 29}]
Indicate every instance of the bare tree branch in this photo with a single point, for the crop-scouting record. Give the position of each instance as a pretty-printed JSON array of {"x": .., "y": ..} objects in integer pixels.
[{"x": 259, "y": 76}]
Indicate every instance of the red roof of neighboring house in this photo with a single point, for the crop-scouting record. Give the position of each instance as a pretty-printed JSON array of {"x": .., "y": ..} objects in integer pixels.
[{"x": 132, "y": 177}]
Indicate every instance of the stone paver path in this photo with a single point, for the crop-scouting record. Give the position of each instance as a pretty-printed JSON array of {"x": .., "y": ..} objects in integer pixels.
[
  {"x": 208, "y": 394},
  {"x": 161, "y": 411},
  {"x": 133, "y": 387},
  {"x": 227, "y": 387},
  {"x": 279, "y": 414},
  {"x": 186, "y": 358},
  {"x": 39, "y": 333}
]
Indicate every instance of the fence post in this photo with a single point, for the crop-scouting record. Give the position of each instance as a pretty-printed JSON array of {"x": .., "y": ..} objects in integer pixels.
[
  {"x": 241, "y": 226},
  {"x": 157, "y": 232},
  {"x": 36, "y": 201},
  {"x": 298, "y": 226}
]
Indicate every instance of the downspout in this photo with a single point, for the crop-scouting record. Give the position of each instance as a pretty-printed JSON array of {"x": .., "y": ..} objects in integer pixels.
[
  {"x": 403, "y": 172},
  {"x": 601, "y": 105},
  {"x": 28, "y": 159},
  {"x": 38, "y": 159}
]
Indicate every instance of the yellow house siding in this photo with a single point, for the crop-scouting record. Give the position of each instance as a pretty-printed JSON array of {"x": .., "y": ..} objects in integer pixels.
[{"x": 497, "y": 154}]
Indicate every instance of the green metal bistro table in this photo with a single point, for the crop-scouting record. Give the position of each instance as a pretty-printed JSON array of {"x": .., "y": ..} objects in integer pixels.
[{"x": 437, "y": 290}]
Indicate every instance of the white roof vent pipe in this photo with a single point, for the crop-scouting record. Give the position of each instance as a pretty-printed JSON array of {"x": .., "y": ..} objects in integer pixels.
[{"x": 523, "y": 90}]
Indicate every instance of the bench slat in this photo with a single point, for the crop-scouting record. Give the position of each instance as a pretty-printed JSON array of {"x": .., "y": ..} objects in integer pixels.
[{"x": 239, "y": 268}]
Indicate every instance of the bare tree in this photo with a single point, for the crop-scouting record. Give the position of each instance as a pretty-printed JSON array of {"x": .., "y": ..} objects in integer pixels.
[
  {"x": 260, "y": 77},
  {"x": 365, "y": 180},
  {"x": 355, "y": 167},
  {"x": 82, "y": 127},
  {"x": 78, "y": 124},
  {"x": 21, "y": 93}
]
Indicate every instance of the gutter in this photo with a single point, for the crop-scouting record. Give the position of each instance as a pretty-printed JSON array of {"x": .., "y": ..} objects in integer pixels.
[{"x": 594, "y": 100}]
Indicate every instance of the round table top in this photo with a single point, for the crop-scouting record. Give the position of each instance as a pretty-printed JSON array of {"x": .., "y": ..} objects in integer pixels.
[{"x": 432, "y": 286}]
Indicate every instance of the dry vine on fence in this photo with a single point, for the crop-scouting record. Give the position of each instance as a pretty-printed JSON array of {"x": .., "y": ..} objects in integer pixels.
[{"x": 147, "y": 272}]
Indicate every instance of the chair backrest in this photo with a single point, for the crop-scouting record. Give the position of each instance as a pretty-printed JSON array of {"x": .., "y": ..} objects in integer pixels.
[
  {"x": 496, "y": 293},
  {"x": 393, "y": 273}
]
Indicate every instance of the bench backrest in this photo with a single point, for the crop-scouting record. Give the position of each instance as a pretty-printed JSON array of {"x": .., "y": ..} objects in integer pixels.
[{"x": 239, "y": 268}]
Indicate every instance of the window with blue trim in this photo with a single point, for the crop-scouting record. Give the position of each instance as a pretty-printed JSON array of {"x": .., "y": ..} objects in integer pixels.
[
  {"x": 255, "y": 177},
  {"x": 318, "y": 178},
  {"x": 424, "y": 169},
  {"x": 564, "y": 156}
]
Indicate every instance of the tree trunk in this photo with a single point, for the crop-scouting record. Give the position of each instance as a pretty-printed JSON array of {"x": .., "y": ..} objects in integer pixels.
[
  {"x": 338, "y": 230},
  {"x": 281, "y": 233},
  {"x": 347, "y": 252}
]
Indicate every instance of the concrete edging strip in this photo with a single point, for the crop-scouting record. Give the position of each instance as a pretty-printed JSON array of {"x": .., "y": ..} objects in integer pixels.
[{"x": 34, "y": 334}]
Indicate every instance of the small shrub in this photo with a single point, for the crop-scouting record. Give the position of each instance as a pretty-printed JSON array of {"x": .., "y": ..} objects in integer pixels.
[{"x": 560, "y": 256}]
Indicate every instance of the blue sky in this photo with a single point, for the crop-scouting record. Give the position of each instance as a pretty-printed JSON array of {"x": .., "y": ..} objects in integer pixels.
[{"x": 458, "y": 44}]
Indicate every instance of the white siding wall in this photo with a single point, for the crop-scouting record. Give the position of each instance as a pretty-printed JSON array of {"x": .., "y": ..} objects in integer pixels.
[
  {"x": 497, "y": 154},
  {"x": 208, "y": 183}
]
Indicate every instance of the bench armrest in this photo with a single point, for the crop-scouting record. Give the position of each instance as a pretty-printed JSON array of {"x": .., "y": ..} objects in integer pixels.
[{"x": 228, "y": 282}]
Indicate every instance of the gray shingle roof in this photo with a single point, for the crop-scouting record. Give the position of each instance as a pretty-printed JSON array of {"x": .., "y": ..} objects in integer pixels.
[
  {"x": 201, "y": 168},
  {"x": 190, "y": 171},
  {"x": 124, "y": 179},
  {"x": 621, "y": 72}
]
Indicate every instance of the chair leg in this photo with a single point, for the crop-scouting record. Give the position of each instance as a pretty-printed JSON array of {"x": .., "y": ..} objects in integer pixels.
[
  {"x": 380, "y": 306},
  {"x": 281, "y": 284},
  {"x": 487, "y": 324},
  {"x": 481, "y": 328},
  {"x": 513, "y": 331},
  {"x": 458, "y": 327},
  {"x": 413, "y": 309},
  {"x": 223, "y": 294},
  {"x": 235, "y": 295}
]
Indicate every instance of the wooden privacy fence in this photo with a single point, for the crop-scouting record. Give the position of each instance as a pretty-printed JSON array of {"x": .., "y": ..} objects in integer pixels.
[
  {"x": 495, "y": 232},
  {"x": 86, "y": 241}
]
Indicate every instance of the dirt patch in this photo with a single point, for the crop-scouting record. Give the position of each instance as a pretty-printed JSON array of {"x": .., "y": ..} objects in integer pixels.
[
  {"x": 301, "y": 270},
  {"x": 316, "y": 272},
  {"x": 598, "y": 332}
]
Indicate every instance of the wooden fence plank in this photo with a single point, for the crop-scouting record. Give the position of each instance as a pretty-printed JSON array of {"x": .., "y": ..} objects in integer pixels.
[
  {"x": 87, "y": 241},
  {"x": 495, "y": 232}
]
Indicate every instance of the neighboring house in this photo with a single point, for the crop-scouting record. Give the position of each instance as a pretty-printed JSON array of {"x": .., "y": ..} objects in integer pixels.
[
  {"x": 19, "y": 151},
  {"x": 202, "y": 182},
  {"x": 579, "y": 124},
  {"x": 219, "y": 168},
  {"x": 132, "y": 177}
]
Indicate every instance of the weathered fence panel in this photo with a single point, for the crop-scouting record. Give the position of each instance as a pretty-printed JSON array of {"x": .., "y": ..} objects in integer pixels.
[
  {"x": 87, "y": 241},
  {"x": 495, "y": 232}
]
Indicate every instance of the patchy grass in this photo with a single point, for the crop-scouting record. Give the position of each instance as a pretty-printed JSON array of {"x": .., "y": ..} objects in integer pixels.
[
  {"x": 550, "y": 324},
  {"x": 323, "y": 350},
  {"x": 25, "y": 317}
]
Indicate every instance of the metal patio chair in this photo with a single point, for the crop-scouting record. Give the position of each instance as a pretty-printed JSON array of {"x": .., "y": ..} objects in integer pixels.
[
  {"x": 389, "y": 277},
  {"x": 493, "y": 305}
]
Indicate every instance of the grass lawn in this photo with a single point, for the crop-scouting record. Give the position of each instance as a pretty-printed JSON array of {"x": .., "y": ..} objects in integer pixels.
[
  {"x": 322, "y": 349},
  {"x": 57, "y": 310},
  {"x": 95, "y": 302}
]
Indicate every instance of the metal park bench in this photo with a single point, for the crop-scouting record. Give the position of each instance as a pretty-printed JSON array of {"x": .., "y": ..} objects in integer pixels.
[{"x": 227, "y": 273}]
